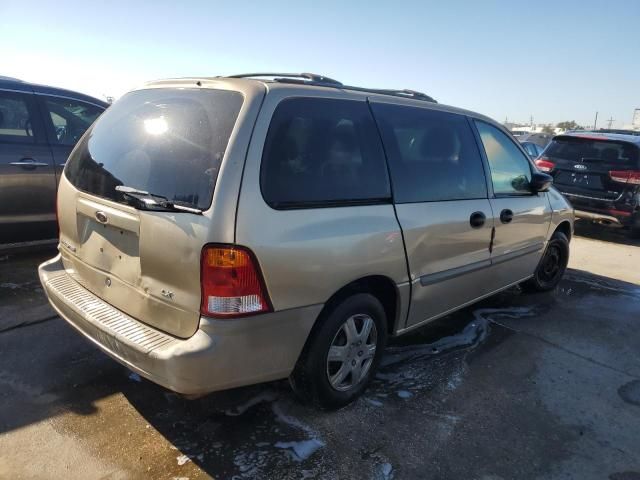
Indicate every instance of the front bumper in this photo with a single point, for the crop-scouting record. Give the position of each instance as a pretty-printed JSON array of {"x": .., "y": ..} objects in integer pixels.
[{"x": 221, "y": 354}]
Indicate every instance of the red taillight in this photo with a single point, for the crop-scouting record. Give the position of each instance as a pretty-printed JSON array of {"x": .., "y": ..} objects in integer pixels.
[
  {"x": 544, "y": 164},
  {"x": 626, "y": 176},
  {"x": 232, "y": 284}
]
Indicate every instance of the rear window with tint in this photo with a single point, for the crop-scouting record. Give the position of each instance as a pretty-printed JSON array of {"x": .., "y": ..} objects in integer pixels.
[
  {"x": 168, "y": 142},
  {"x": 323, "y": 152},
  {"x": 579, "y": 149}
]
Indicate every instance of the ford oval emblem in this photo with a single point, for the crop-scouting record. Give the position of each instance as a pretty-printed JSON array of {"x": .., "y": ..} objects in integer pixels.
[
  {"x": 102, "y": 217},
  {"x": 580, "y": 166}
]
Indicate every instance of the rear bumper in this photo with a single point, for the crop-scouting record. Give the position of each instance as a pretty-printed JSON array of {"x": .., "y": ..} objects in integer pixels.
[
  {"x": 611, "y": 213},
  {"x": 221, "y": 354},
  {"x": 601, "y": 218}
]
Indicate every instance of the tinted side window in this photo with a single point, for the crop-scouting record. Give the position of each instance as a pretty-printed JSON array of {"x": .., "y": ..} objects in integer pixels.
[
  {"x": 510, "y": 169},
  {"x": 70, "y": 118},
  {"x": 322, "y": 152},
  {"x": 531, "y": 149},
  {"x": 16, "y": 122},
  {"x": 432, "y": 155}
]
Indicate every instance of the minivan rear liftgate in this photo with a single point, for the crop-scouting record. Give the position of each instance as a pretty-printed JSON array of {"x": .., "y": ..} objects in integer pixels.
[
  {"x": 598, "y": 174},
  {"x": 129, "y": 211}
]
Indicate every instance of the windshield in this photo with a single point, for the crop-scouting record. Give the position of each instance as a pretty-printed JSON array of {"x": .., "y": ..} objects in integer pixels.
[{"x": 169, "y": 142}]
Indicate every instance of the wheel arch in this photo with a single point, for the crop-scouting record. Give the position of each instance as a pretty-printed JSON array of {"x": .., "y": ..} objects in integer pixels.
[
  {"x": 380, "y": 286},
  {"x": 564, "y": 227}
]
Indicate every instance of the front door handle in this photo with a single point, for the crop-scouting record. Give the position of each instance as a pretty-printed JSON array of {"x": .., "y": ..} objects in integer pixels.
[
  {"x": 29, "y": 163},
  {"x": 506, "y": 216},
  {"x": 477, "y": 219}
]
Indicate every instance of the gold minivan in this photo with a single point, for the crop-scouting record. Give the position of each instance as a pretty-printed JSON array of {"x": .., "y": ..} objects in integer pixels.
[{"x": 219, "y": 232}]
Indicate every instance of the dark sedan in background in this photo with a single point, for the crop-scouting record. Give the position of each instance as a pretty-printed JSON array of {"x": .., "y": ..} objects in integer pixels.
[{"x": 39, "y": 127}]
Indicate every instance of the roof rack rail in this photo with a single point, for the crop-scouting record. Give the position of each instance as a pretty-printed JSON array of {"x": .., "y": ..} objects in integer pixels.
[
  {"x": 11, "y": 79},
  {"x": 322, "y": 81},
  {"x": 401, "y": 93},
  {"x": 620, "y": 131},
  {"x": 312, "y": 77}
]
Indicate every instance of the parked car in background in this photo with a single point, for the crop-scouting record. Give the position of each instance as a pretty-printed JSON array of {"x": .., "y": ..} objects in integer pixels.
[
  {"x": 39, "y": 126},
  {"x": 600, "y": 174},
  {"x": 539, "y": 138},
  {"x": 533, "y": 149},
  {"x": 219, "y": 232}
]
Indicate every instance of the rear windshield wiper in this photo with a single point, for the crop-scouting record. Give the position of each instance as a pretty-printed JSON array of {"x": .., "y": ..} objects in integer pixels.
[{"x": 151, "y": 200}]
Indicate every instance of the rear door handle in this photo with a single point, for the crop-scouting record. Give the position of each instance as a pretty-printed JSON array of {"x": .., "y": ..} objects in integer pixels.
[
  {"x": 477, "y": 219},
  {"x": 506, "y": 216},
  {"x": 29, "y": 163}
]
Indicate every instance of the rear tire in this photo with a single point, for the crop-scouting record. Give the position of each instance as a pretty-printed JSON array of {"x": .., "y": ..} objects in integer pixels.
[
  {"x": 342, "y": 354},
  {"x": 634, "y": 232},
  {"x": 552, "y": 265}
]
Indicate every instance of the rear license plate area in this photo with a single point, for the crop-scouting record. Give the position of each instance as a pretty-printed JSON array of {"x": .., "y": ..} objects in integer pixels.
[{"x": 584, "y": 180}]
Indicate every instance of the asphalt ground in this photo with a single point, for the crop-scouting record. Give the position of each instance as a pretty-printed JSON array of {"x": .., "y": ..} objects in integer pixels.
[{"x": 517, "y": 386}]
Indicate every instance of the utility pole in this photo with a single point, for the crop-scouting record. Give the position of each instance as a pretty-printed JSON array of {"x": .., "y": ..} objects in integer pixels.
[
  {"x": 595, "y": 122},
  {"x": 611, "y": 120}
]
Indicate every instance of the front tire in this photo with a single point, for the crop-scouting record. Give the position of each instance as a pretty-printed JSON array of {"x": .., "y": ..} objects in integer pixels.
[
  {"x": 343, "y": 353},
  {"x": 552, "y": 265}
]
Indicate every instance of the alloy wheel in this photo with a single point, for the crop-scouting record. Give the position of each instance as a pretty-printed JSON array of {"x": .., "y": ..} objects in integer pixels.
[{"x": 352, "y": 352}]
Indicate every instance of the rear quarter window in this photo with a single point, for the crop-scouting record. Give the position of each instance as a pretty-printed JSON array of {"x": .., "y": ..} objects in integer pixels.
[{"x": 323, "y": 152}]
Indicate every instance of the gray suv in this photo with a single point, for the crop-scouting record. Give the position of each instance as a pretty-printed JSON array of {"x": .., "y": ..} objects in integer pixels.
[
  {"x": 39, "y": 126},
  {"x": 219, "y": 232}
]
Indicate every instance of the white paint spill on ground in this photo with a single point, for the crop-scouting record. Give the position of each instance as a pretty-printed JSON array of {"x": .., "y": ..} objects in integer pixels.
[
  {"x": 454, "y": 381},
  {"x": 403, "y": 371},
  {"x": 602, "y": 285},
  {"x": 266, "y": 396},
  {"x": 249, "y": 462},
  {"x": 487, "y": 314},
  {"x": 291, "y": 421},
  {"x": 182, "y": 459},
  {"x": 473, "y": 333},
  {"x": 384, "y": 471},
  {"x": 302, "y": 450},
  {"x": 403, "y": 376},
  {"x": 404, "y": 394},
  {"x": 257, "y": 456}
]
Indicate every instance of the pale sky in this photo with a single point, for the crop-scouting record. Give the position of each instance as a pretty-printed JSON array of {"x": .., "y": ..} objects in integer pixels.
[{"x": 553, "y": 60}]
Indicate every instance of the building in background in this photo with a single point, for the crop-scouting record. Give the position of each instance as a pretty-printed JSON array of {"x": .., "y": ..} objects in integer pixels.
[{"x": 635, "y": 122}]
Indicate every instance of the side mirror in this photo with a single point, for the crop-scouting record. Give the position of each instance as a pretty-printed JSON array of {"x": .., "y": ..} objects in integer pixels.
[{"x": 540, "y": 182}]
